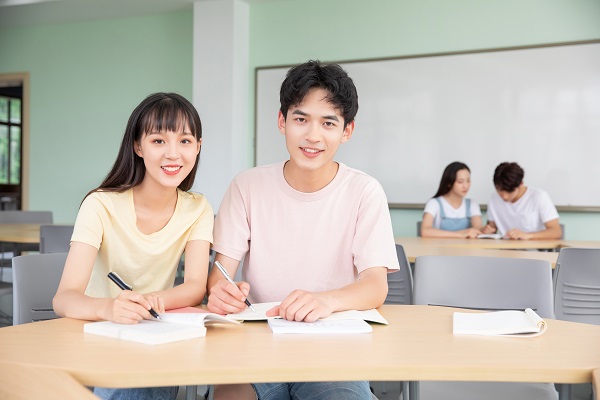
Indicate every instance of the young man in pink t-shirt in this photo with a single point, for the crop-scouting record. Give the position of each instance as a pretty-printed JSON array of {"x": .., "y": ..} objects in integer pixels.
[{"x": 314, "y": 234}]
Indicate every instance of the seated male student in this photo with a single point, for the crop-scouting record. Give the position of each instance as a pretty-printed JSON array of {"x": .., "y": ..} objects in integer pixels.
[
  {"x": 518, "y": 211},
  {"x": 315, "y": 234}
]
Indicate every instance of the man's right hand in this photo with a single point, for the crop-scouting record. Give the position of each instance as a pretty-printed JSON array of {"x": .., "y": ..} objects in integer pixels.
[{"x": 227, "y": 298}]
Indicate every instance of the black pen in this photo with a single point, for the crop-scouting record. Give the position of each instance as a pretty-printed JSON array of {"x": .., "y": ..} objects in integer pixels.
[
  {"x": 121, "y": 283},
  {"x": 226, "y": 275}
]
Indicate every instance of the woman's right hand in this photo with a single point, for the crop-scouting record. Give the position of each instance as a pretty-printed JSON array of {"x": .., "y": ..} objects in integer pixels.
[
  {"x": 472, "y": 233},
  {"x": 128, "y": 307}
]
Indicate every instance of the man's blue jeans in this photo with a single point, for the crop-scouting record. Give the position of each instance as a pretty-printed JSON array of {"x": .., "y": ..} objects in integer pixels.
[
  {"x": 152, "y": 393},
  {"x": 313, "y": 391}
]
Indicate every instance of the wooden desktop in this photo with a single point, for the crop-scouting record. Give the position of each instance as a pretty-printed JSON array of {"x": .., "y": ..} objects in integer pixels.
[
  {"x": 418, "y": 344},
  {"x": 20, "y": 233}
]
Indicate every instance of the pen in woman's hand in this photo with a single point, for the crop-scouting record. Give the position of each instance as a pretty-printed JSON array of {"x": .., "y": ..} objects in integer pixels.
[
  {"x": 226, "y": 275},
  {"x": 121, "y": 283}
]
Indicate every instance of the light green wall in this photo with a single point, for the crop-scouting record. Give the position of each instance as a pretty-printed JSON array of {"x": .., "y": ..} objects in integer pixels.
[
  {"x": 290, "y": 32},
  {"x": 85, "y": 80},
  {"x": 87, "y": 77}
]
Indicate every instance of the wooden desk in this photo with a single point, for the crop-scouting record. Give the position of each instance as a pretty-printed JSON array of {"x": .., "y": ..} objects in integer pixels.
[
  {"x": 417, "y": 246},
  {"x": 417, "y": 345},
  {"x": 20, "y": 233}
]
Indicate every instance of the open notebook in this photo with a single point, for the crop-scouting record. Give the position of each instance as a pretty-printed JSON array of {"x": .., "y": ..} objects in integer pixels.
[{"x": 351, "y": 321}]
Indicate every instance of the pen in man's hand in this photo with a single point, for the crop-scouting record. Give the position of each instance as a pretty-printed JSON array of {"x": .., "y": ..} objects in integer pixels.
[
  {"x": 226, "y": 275},
  {"x": 121, "y": 283}
]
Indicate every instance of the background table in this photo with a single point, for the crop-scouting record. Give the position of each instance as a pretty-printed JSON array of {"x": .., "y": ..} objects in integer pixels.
[{"x": 417, "y": 246}]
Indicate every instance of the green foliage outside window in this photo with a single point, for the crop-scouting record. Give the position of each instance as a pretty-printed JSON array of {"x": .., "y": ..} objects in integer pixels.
[{"x": 10, "y": 141}]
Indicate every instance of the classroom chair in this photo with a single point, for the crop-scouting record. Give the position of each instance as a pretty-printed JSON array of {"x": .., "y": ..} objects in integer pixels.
[
  {"x": 35, "y": 280},
  {"x": 485, "y": 283},
  {"x": 55, "y": 238},
  {"x": 577, "y": 285},
  {"x": 577, "y": 295},
  {"x": 400, "y": 291}
]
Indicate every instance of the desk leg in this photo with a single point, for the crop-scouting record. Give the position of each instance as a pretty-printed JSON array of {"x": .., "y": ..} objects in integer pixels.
[{"x": 564, "y": 391}]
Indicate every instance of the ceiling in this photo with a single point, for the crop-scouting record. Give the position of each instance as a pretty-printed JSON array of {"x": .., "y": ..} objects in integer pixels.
[{"x": 22, "y": 13}]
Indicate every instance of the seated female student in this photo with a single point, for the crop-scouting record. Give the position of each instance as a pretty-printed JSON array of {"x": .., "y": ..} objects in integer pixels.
[
  {"x": 138, "y": 223},
  {"x": 449, "y": 214}
]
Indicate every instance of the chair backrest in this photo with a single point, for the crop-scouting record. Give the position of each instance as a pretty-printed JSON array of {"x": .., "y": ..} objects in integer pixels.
[
  {"x": 400, "y": 284},
  {"x": 25, "y": 217},
  {"x": 419, "y": 228},
  {"x": 577, "y": 285},
  {"x": 55, "y": 238},
  {"x": 487, "y": 283},
  {"x": 35, "y": 280},
  {"x": 562, "y": 230}
]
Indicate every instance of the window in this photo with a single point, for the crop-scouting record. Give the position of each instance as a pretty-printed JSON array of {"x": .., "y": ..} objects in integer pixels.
[{"x": 10, "y": 140}]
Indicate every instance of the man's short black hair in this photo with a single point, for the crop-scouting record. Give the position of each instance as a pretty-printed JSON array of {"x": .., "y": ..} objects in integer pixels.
[
  {"x": 508, "y": 176},
  {"x": 313, "y": 74}
]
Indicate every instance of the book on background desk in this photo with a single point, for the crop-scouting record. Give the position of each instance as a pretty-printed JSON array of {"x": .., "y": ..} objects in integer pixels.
[
  {"x": 175, "y": 325},
  {"x": 490, "y": 236},
  {"x": 371, "y": 315},
  {"x": 507, "y": 322}
]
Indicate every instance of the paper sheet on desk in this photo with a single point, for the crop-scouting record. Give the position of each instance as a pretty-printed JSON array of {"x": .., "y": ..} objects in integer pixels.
[{"x": 371, "y": 315}]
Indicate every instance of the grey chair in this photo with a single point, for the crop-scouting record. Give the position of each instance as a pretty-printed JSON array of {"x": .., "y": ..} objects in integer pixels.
[
  {"x": 55, "y": 238},
  {"x": 400, "y": 284},
  {"x": 400, "y": 291},
  {"x": 577, "y": 285},
  {"x": 577, "y": 294},
  {"x": 485, "y": 283},
  {"x": 419, "y": 228},
  {"x": 35, "y": 280},
  {"x": 25, "y": 217}
]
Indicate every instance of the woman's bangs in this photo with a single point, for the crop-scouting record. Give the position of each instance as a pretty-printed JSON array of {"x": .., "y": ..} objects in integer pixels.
[{"x": 166, "y": 118}]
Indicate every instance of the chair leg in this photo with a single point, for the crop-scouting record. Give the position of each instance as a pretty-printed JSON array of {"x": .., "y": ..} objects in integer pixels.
[
  {"x": 405, "y": 394},
  {"x": 564, "y": 391},
  {"x": 191, "y": 392},
  {"x": 413, "y": 390}
]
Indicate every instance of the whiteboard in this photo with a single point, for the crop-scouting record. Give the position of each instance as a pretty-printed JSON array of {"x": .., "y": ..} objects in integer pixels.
[{"x": 538, "y": 106}]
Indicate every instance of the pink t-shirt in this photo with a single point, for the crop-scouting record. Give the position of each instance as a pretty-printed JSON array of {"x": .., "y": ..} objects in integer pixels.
[{"x": 312, "y": 241}]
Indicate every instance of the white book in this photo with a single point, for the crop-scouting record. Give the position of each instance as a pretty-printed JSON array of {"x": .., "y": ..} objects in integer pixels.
[
  {"x": 176, "y": 325},
  {"x": 508, "y": 322},
  {"x": 490, "y": 236},
  {"x": 371, "y": 315},
  {"x": 322, "y": 326}
]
